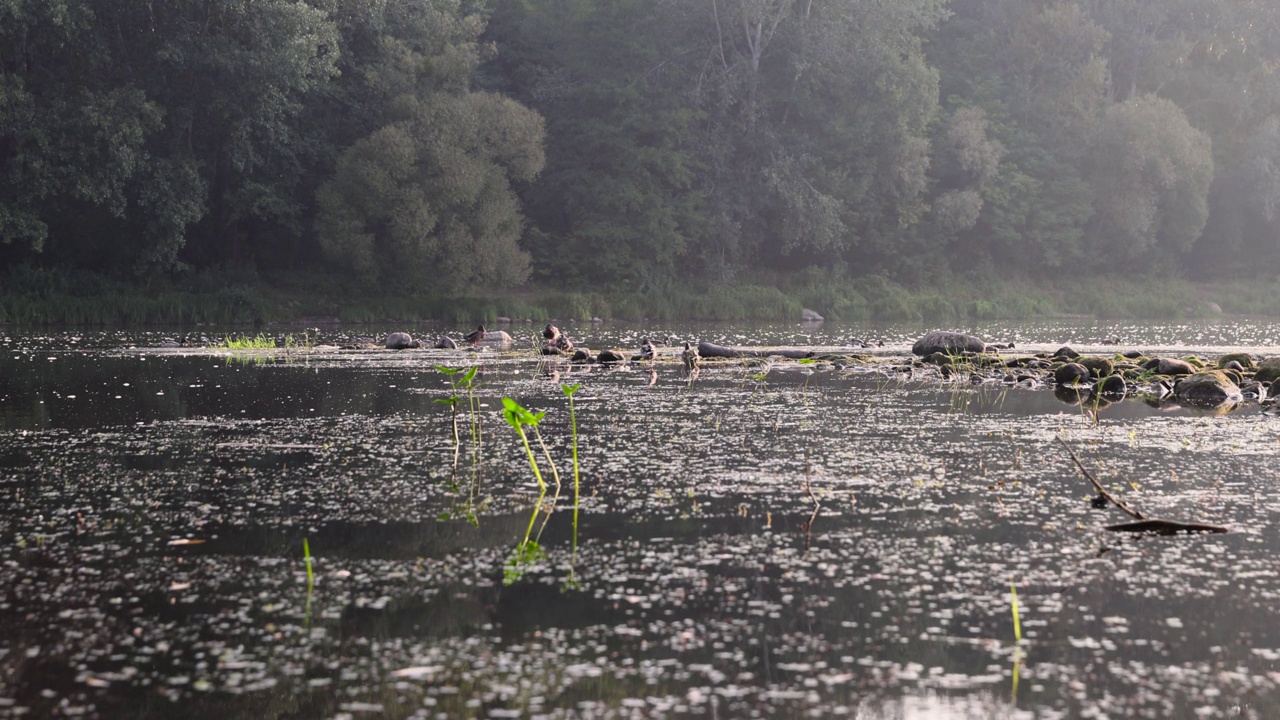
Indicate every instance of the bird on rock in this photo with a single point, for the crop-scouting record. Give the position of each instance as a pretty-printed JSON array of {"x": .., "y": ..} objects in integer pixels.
[
  {"x": 647, "y": 351},
  {"x": 475, "y": 337},
  {"x": 690, "y": 357}
]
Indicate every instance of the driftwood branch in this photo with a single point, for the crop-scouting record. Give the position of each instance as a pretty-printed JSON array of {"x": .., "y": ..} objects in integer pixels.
[
  {"x": 1143, "y": 523},
  {"x": 1097, "y": 485}
]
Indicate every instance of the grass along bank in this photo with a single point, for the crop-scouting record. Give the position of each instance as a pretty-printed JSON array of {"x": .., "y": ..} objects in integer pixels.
[{"x": 45, "y": 298}]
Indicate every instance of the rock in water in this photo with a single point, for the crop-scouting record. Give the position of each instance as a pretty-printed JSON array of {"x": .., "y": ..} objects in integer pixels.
[
  {"x": 1268, "y": 372},
  {"x": 947, "y": 341},
  {"x": 1169, "y": 366},
  {"x": 497, "y": 339},
  {"x": 1071, "y": 374},
  {"x": 401, "y": 341},
  {"x": 1210, "y": 388}
]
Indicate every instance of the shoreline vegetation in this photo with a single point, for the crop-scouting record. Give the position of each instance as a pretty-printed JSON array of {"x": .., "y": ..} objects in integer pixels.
[{"x": 32, "y": 297}]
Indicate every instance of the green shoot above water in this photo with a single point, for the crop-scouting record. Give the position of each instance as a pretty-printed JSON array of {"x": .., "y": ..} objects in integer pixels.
[
  {"x": 569, "y": 390},
  {"x": 528, "y": 551},
  {"x": 1017, "y": 620}
]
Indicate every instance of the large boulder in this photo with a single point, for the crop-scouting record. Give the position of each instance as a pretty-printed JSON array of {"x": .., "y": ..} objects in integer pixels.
[
  {"x": 1210, "y": 388},
  {"x": 1099, "y": 367},
  {"x": 401, "y": 341},
  {"x": 947, "y": 341},
  {"x": 497, "y": 339},
  {"x": 1245, "y": 360},
  {"x": 1071, "y": 374}
]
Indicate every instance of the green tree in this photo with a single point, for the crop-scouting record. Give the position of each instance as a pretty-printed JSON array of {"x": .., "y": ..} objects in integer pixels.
[
  {"x": 431, "y": 188},
  {"x": 131, "y": 127},
  {"x": 617, "y": 202},
  {"x": 1151, "y": 171}
]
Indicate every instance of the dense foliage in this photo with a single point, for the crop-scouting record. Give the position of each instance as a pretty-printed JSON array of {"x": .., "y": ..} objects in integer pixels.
[{"x": 646, "y": 145}]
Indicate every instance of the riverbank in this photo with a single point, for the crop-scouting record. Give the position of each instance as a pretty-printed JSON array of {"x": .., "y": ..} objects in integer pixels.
[{"x": 43, "y": 298}]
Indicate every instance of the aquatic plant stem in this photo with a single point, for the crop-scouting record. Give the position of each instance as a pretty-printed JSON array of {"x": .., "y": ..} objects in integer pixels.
[
  {"x": 573, "y": 428},
  {"x": 1017, "y": 617},
  {"x": 555, "y": 475},
  {"x": 1017, "y": 637},
  {"x": 457, "y": 441},
  {"x": 311, "y": 580},
  {"x": 537, "y": 474},
  {"x": 1097, "y": 485},
  {"x": 569, "y": 391},
  {"x": 306, "y": 555}
]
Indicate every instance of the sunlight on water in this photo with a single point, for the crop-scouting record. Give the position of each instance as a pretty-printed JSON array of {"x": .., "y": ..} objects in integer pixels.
[{"x": 764, "y": 539}]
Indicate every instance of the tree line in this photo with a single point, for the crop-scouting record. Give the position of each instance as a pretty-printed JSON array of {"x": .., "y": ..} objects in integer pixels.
[{"x": 450, "y": 145}]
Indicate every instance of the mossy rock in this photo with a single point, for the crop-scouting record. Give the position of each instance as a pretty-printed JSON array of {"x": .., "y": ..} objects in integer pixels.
[
  {"x": 1209, "y": 388},
  {"x": 1245, "y": 360},
  {"x": 1196, "y": 362},
  {"x": 1099, "y": 367},
  {"x": 1169, "y": 366},
  {"x": 1071, "y": 374},
  {"x": 946, "y": 341},
  {"x": 1268, "y": 371}
]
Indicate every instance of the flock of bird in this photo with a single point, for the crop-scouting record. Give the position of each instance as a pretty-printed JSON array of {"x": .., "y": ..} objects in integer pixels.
[{"x": 556, "y": 342}]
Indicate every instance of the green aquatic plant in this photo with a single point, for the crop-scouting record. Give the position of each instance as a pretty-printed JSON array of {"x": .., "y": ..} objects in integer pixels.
[
  {"x": 1017, "y": 637},
  {"x": 311, "y": 579},
  {"x": 463, "y": 383},
  {"x": 1017, "y": 617},
  {"x": 306, "y": 556},
  {"x": 528, "y": 551},
  {"x": 258, "y": 342},
  {"x": 569, "y": 390}
]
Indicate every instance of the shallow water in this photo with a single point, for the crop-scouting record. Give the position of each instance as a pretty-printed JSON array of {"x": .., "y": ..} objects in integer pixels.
[{"x": 154, "y": 503}]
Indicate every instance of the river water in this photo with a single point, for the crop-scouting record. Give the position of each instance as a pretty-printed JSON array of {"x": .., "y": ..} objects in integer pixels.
[{"x": 761, "y": 540}]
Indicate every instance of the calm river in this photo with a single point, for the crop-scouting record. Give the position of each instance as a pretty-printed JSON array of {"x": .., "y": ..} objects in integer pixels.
[{"x": 762, "y": 540}]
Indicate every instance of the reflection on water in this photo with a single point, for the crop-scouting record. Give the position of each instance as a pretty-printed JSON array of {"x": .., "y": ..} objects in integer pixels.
[{"x": 154, "y": 503}]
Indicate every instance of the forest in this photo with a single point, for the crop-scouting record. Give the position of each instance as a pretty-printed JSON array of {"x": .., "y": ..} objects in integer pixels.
[{"x": 464, "y": 147}]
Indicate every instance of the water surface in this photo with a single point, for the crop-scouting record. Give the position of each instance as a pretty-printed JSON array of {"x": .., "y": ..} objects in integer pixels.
[{"x": 154, "y": 503}]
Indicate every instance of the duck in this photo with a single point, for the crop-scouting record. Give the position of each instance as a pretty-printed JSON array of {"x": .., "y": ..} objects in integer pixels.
[
  {"x": 562, "y": 342},
  {"x": 475, "y": 337},
  {"x": 647, "y": 351},
  {"x": 550, "y": 332},
  {"x": 690, "y": 357}
]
